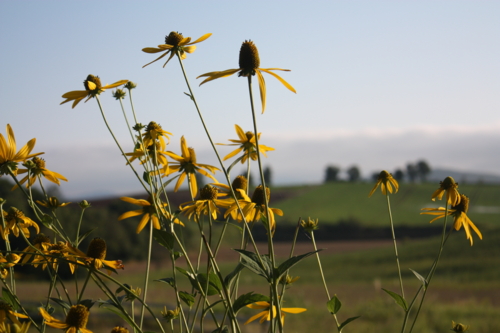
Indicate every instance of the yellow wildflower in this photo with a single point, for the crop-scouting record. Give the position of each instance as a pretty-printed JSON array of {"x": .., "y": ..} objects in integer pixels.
[
  {"x": 8, "y": 155},
  {"x": 16, "y": 221},
  {"x": 36, "y": 168},
  {"x": 149, "y": 212},
  {"x": 266, "y": 314},
  {"x": 52, "y": 203},
  {"x": 247, "y": 144},
  {"x": 459, "y": 213},
  {"x": 15, "y": 328},
  {"x": 76, "y": 319},
  {"x": 93, "y": 88},
  {"x": 249, "y": 65},
  {"x": 175, "y": 43},
  {"x": 206, "y": 204},
  {"x": 6, "y": 312},
  {"x": 385, "y": 180},
  {"x": 40, "y": 243},
  {"x": 457, "y": 327},
  {"x": 186, "y": 164},
  {"x": 449, "y": 186}
]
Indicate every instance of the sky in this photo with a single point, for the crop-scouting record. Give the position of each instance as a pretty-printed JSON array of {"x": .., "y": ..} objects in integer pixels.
[{"x": 379, "y": 83}]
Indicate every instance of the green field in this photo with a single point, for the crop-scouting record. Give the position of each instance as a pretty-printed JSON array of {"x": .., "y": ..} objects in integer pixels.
[{"x": 338, "y": 201}]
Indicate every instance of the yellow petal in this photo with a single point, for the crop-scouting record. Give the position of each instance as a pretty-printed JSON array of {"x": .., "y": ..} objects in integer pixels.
[
  {"x": 217, "y": 75},
  {"x": 262, "y": 89},
  {"x": 286, "y": 84},
  {"x": 152, "y": 50},
  {"x": 190, "y": 49},
  {"x": 131, "y": 213},
  {"x": 116, "y": 84},
  {"x": 201, "y": 39}
]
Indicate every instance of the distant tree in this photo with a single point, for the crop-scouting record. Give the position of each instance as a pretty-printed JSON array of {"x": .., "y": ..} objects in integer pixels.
[
  {"x": 399, "y": 175},
  {"x": 332, "y": 173},
  {"x": 353, "y": 173},
  {"x": 268, "y": 175},
  {"x": 411, "y": 172},
  {"x": 423, "y": 170}
]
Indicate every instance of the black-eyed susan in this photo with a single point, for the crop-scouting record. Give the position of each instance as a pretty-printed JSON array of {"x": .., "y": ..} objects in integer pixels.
[
  {"x": 8, "y": 155},
  {"x": 266, "y": 314},
  {"x": 385, "y": 180},
  {"x": 249, "y": 66},
  {"x": 175, "y": 43},
  {"x": 96, "y": 256},
  {"x": 154, "y": 133},
  {"x": 93, "y": 87},
  {"x": 40, "y": 244},
  {"x": 254, "y": 209},
  {"x": 56, "y": 253},
  {"x": 7, "y": 312},
  {"x": 449, "y": 186},
  {"x": 148, "y": 211},
  {"x": 247, "y": 144},
  {"x": 16, "y": 221},
  {"x": 35, "y": 169},
  {"x": 76, "y": 319},
  {"x": 187, "y": 165},
  {"x": 459, "y": 213},
  {"x": 207, "y": 204}
]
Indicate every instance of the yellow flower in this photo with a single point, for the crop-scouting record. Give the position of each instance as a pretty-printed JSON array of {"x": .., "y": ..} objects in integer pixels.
[
  {"x": 93, "y": 88},
  {"x": 96, "y": 255},
  {"x": 249, "y": 65},
  {"x": 6, "y": 312},
  {"x": 15, "y": 220},
  {"x": 449, "y": 186},
  {"x": 170, "y": 315},
  {"x": 8, "y": 155},
  {"x": 175, "y": 43},
  {"x": 76, "y": 319},
  {"x": 15, "y": 328},
  {"x": 153, "y": 133},
  {"x": 41, "y": 243},
  {"x": 206, "y": 204},
  {"x": 52, "y": 203},
  {"x": 156, "y": 155},
  {"x": 186, "y": 164},
  {"x": 266, "y": 314},
  {"x": 53, "y": 252},
  {"x": 149, "y": 212},
  {"x": 385, "y": 180},
  {"x": 9, "y": 260},
  {"x": 310, "y": 225},
  {"x": 119, "y": 329},
  {"x": 36, "y": 168},
  {"x": 255, "y": 208},
  {"x": 247, "y": 144},
  {"x": 459, "y": 213},
  {"x": 457, "y": 327}
]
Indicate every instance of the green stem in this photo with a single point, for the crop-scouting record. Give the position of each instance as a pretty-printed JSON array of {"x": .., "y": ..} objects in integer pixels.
[
  {"x": 146, "y": 277},
  {"x": 395, "y": 245},
  {"x": 126, "y": 120}
]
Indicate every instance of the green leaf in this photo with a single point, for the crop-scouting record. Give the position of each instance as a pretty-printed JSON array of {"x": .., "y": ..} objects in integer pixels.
[
  {"x": 421, "y": 278},
  {"x": 230, "y": 277},
  {"x": 347, "y": 321},
  {"x": 62, "y": 303},
  {"x": 9, "y": 298},
  {"x": 289, "y": 263},
  {"x": 164, "y": 238},
  {"x": 398, "y": 298},
  {"x": 248, "y": 298},
  {"x": 146, "y": 177},
  {"x": 187, "y": 298},
  {"x": 214, "y": 285},
  {"x": 87, "y": 302},
  {"x": 334, "y": 305},
  {"x": 251, "y": 261},
  {"x": 85, "y": 235},
  {"x": 170, "y": 281}
]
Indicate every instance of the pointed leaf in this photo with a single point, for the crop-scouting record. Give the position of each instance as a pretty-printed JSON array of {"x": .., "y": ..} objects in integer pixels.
[
  {"x": 87, "y": 302},
  {"x": 164, "y": 238},
  {"x": 170, "y": 281},
  {"x": 9, "y": 298},
  {"x": 62, "y": 303},
  {"x": 251, "y": 261},
  {"x": 146, "y": 177},
  {"x": 421, "y": 278},
  {"x": 398, "y": 298},
  {"x": 85, "y": 235},
  {"x": 289, "y": 263},
  {"x": 334, "y": 305},
  {"x": 248, "y": 298},
  {"x": 211, "y": 287},
  {"x": 347, "y": 321},
  {"x": 187, "y": 298}
]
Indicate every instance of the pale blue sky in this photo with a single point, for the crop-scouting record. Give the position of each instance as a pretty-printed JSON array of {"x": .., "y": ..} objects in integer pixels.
[{"x": 420, "y": 78}]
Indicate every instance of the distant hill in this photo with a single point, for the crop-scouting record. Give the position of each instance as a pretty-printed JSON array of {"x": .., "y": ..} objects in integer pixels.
[{"x": 463, "y": 177}]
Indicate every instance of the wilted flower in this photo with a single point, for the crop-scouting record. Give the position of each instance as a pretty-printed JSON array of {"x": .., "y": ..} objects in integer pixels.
[
  {"x": 310, "y": 225},
  {"x": 449, "y": 186},
  {"x": 385, "y": 180}
]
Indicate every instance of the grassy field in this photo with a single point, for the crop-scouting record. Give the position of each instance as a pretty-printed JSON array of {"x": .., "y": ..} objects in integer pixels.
[
  {"x": 466, "y": 287},
  {"x": 347, "y": 201}
]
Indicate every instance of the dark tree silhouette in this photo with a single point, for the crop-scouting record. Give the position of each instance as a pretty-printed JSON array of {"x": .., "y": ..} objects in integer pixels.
[
  {"x": 353, "y": 173},
  {"x": 267, "y": 175},
  {"x": 423, "y": 170},
  {"x": 411, "y": 172},
  {"x": 399, "y": 175},
  {"x": 332, "y": 173}
]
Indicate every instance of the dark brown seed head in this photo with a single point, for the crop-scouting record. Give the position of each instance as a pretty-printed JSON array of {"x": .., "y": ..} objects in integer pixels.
[{"x": 249, "y": 58}]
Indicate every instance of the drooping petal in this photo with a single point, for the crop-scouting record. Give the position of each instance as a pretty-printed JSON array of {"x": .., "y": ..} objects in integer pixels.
[
  {"x": 164, "y": 54},
  {"x": 262, "y": 89},
  {"x": 217, "y": 75},
  {"x": 154, "y": 49},
  {"x": 114, "y": 85},
  {"x": 201, "y": 39},
  {"x": 139, "y": 202},
  {"x": 286, "y": 84},
  {"x": 142, "y": 223},
  {"x": 130, "y": 214}
]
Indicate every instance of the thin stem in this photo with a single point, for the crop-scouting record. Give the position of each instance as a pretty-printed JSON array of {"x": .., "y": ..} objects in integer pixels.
[
  {"x": 395, "y": 245},
  {"x": 126, "y": 120},
  {"x": 146, "y": 277}
]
